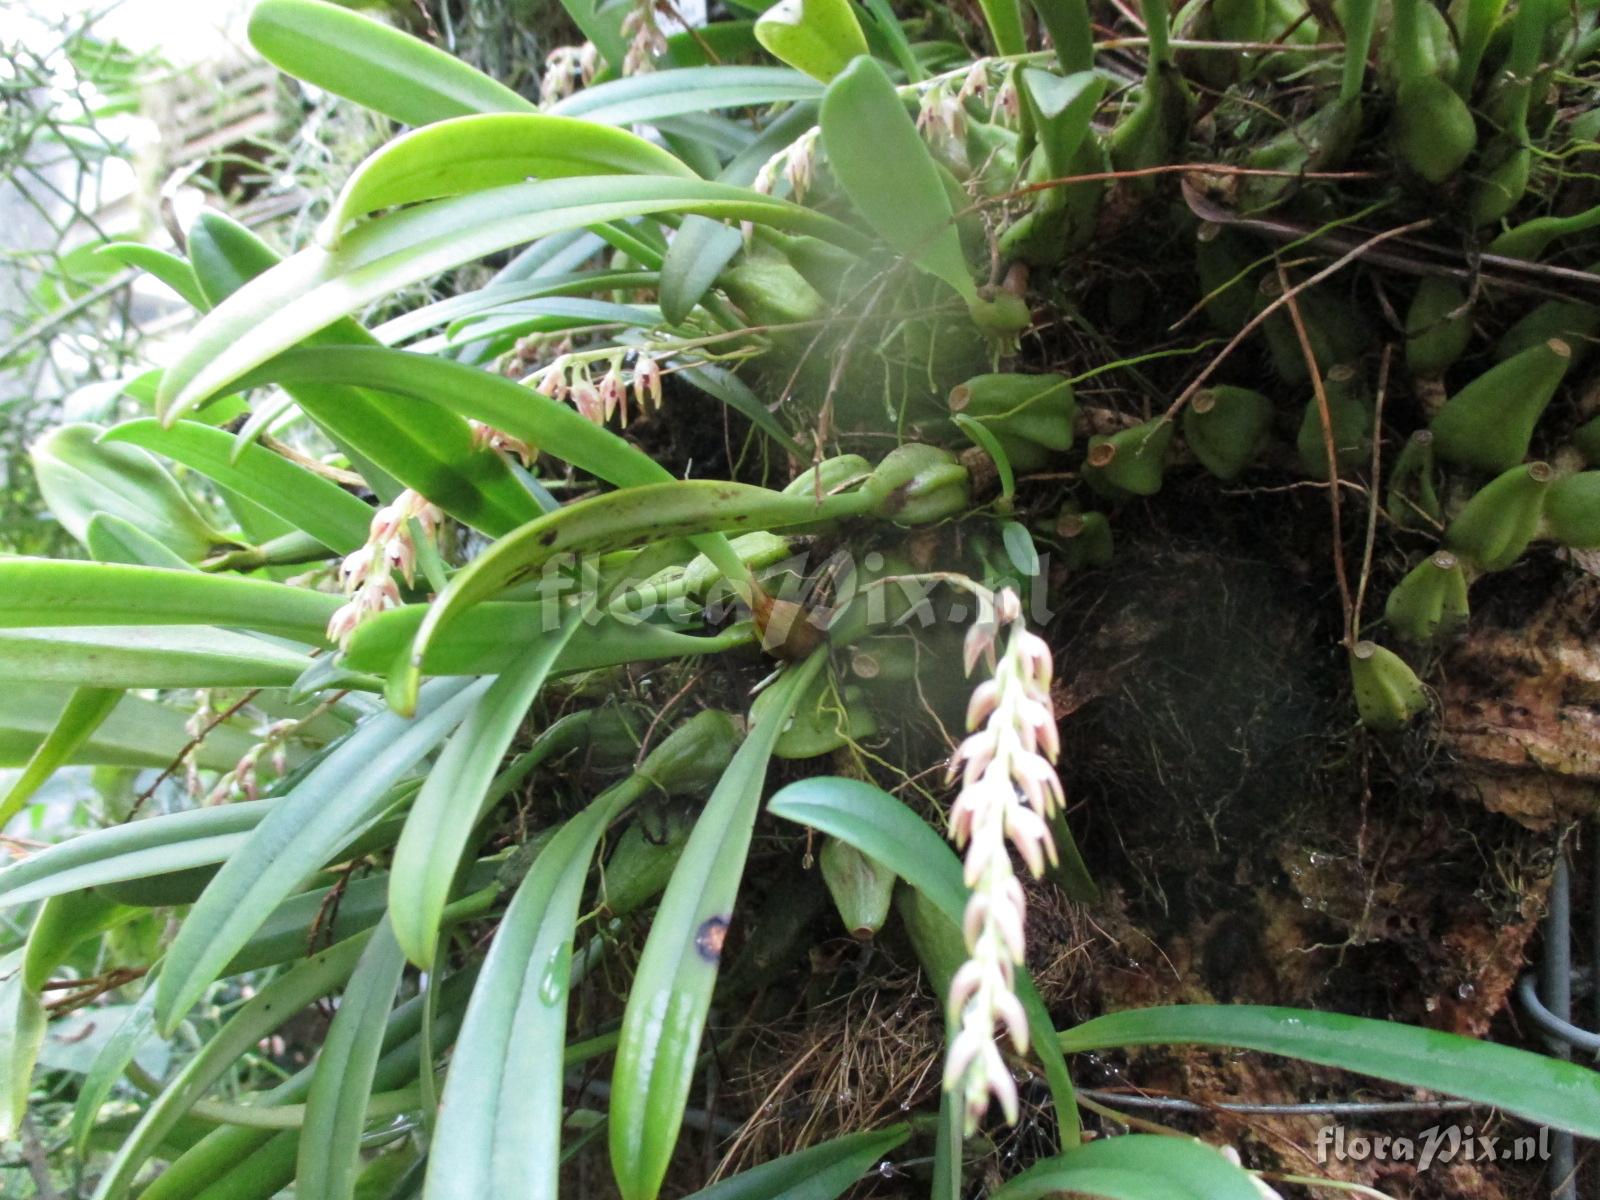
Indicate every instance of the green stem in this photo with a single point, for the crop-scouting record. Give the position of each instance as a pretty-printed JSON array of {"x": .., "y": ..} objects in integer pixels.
[
  {"x": 1360, "y": 18},
  {"x": 1407, "y": 33},
  {"x": 1157, "y": 22},
  {"x": 1477, "y": 29}
]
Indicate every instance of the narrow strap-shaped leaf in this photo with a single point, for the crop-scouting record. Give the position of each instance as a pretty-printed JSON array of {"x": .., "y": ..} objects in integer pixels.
[
  {"x": 617, "y": 520},
  {"x": 885, "y": 168},
  {"x": 373, "y": 64},
  {"x": 554, "y": 427},
  {"x": 168, "y": 268},
  {"x": 136, "y": 1028},
  {"x": 456, "y": 794},
  {"x": 342, "y": 795},
  {"x": 269, "y": 1008},
  {"x": 134, "y": 656},
  {"x": 138, "y": 733},
  {"x": 671, "y": 992},
  {"x": 426, "y": 449},
  {"x": 1544, "y": 1090},
  {"x": 699, "y": 251},
  {"x": 1139, "y": 1166},
  {"x": 469, "y": 154},
  {"x": 238, "y": 1161},
  {"x": 42, "y": 592},
  {"x": 153, "y": 846},
  {"x": 882, "y": 827},
  {"x": 499, "y": 1130},
  {"x": 22, "y": 1026},
  {"x": 502, "y": 630},
  {"x": 336, "y": 1106},
  {"x": 85, "y": 711},
  {"x": 316, "y": 287},
  {"x": 306, "y": 500},
  {"x": 466, "y": 304},
  {"x": 641, "y": 99},
  {"x": 818, "y": 1172}
]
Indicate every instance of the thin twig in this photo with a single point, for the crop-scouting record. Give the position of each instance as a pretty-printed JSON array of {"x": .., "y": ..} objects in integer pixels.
[
  {"x": 1278, "y": 302},
  {"x": 1372, "y": 489},
  {"x": 1332, "y": 451},
  {"x": 188, "y": 748}
]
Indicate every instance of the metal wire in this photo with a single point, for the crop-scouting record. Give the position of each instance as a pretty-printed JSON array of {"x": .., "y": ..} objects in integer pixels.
[
  {"x": 1548, "y": 1004},
  {"x": 1326, "y": 1108}
]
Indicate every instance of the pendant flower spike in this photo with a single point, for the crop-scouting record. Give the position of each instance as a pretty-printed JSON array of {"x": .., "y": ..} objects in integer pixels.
[{"x": 1009, "y": 790}]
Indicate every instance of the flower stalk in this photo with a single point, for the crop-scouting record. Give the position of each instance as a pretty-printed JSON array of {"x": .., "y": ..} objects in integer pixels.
[{"x": 1009, "y": 790}]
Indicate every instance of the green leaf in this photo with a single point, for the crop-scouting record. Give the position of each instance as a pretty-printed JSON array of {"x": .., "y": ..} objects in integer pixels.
[
  {"x": 722, "y": 384},
  {"x": 343, "y": 795},
  {"x": 136, "y": 850},
  {"x": 86, "y": 709},
  {"x": 423, "y": 448},
  {"x": 316, "y": 287},
  {"x": 1004, "y": 18},
  {"x": 885, "y": 168},
  {"x": 138, "y": 733},
  {"x": 341, "y": 1085},
  {"x": 470, "y": 154},
  {"x": 554, "y": 427},
  {"x": 22, "y": 1027},
  {"x": 671, "y": 993},
  {"x": 1544, "y": 1090},
  {"x": 373, "y": 64},
  {"x": 112, "y": 539},
  {"x": 883, "y": 828},
  {"x": 491, "y": 295},
  {"x": 819, "y": 1172},
  {"x": 135, "y": 1029},
  {"x": 1138, "y": 1166},
  {"x": 819, "y": 37},
  {"x": 269, "y": 1008},
  {"x": 168, "y": 268},
  {"x": 136, "y": 656},
  {"x": 78, "y": 477},
  {"x": 1061, "y": 109},
  {"x": 499, "y": 1130},
  {"x": 699, "y": 251},
  {"x": 62, "y": 923},
  {"x": 456, "y": 795},
  {"x": 505, "y": 630},
  {"x": 642, "y": 99},
  {"x": 306, "y": 500},
  {"x": 615, "y": 521},
  {"x": 51, "y": 592}
]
